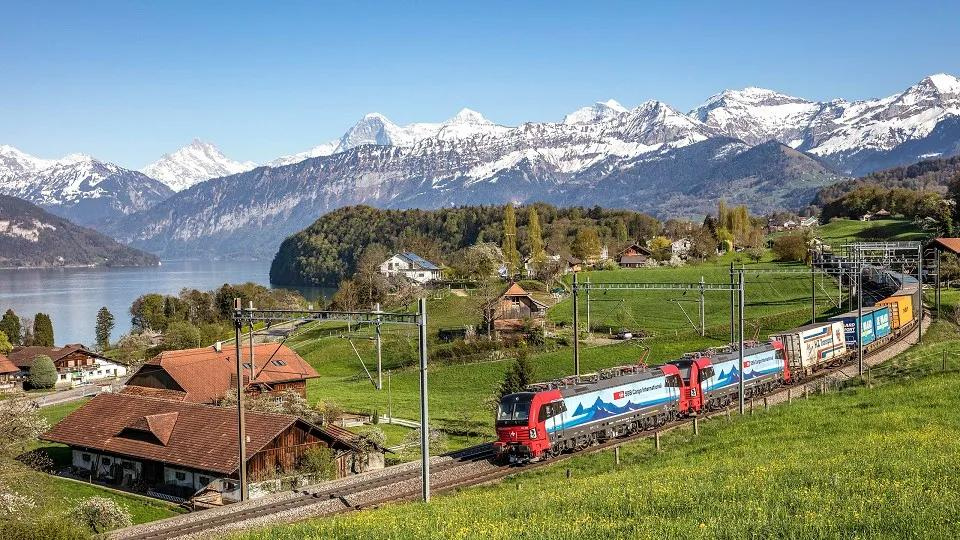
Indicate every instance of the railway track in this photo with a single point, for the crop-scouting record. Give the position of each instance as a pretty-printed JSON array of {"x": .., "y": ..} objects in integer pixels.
[{"x": 469, "y": 467}]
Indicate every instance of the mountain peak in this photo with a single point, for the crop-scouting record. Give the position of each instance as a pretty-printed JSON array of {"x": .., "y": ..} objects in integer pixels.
[
  {"x": 598, "y": 112},
  {"x": 468, "y": 116},
  {"x": 194, "y": 163},
  {"x": 942, "y": 83}
]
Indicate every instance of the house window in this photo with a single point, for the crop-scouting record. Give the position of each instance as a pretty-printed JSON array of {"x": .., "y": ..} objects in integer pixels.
[
  {"x": 279, "y": 363},
  {"x": 105, "y": 461},
  {"x": 180, "y": 476},
  {"x": 203, "y": 480},
  {"x": 127, "y": 465},
  {"x": 85, "y": 458}
]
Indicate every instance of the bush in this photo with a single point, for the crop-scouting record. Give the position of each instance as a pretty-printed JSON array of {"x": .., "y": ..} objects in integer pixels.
[
  {"x": 533, "y": 285},
  {"x": 318, "y": 461},
  {"x": 43, "y": 373},
  {"x": 790, "y": 247},
  {"x": 101, "y": 514}
]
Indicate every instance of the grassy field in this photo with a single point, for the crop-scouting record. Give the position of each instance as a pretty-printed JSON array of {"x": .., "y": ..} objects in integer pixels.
[
  {"x": 459, "y": 394},
  {"x": 862, "y": 463},
  {"x": 847, "y": 230}
]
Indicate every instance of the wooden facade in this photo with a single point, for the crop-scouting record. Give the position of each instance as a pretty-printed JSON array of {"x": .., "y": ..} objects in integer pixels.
[{"x": 509, "y": 313}]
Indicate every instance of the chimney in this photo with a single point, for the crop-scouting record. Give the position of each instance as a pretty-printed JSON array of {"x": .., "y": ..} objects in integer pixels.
[{"x": 218, "y": 346}]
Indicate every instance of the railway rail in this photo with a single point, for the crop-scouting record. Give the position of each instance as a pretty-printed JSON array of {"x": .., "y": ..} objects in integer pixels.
[{"x": 469, "y": 467}]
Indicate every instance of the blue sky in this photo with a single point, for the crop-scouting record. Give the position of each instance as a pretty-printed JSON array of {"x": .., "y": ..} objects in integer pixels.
[{"x": 128, "y": 81}]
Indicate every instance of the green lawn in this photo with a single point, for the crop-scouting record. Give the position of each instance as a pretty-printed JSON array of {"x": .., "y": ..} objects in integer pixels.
[
  {"x": 459, "y": 394},
  {"x": 841, "y": 231},
  {"x": 874, "y": 462}
]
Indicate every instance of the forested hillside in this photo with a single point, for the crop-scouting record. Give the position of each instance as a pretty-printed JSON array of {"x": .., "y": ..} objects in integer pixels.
[
  {"x": 32, "y": 237},
  {"x": 328, "y": 250},
  {"x": 929, "y": 175}
]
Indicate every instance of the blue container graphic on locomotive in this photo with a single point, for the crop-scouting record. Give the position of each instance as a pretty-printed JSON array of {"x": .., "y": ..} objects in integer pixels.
[
  {"x": 881, "y": 321},
  {"x": 614, "y": 400},
  {"x": 851, "y": 329},
  {"x": 757, "y": 362}
]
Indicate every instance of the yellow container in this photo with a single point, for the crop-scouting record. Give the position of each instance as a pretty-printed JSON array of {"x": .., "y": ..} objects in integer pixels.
[{"x": 901, "y": 310}]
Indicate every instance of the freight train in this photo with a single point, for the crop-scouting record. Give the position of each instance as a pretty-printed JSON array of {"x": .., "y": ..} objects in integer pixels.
[{"x": 576, "y": 412}]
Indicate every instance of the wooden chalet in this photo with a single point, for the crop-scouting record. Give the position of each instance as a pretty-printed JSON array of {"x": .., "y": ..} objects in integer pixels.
[
  {"x": 508, "y": 313},
  {"x": 207, "y": 374},
  {"x": 74, "y": 363},
  {"x": 9, "y": 374},
  {"x": 634, "y": 256},
  {"x": 174, "y": 450},
  {"x": 571, "y": 264}
]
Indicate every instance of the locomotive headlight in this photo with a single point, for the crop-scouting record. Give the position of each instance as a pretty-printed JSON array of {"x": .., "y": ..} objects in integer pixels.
[{"x": 533, "y": 433}]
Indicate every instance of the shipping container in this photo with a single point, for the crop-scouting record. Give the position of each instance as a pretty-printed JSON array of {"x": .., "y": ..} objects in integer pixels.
[
  {"x": 901, "y": 309},
  {"x": 813, "y": 345},
  {"x": 866, "y": 327},
  {"x": 881, "y": 321}
]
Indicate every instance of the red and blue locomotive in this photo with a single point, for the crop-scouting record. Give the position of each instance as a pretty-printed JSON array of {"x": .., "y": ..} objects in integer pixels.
[{"x": 575, "y": 412}]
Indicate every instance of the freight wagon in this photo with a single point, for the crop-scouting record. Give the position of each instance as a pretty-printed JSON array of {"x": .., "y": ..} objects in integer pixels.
[
  {"x": 813, "y": 346},
  {"x": 901, "y": 309},
  {"x": 874, "y": 325},
  {"x": 712, "y": 380}
]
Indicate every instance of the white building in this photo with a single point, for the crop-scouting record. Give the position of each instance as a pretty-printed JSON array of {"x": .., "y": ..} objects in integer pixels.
[
  {"x": 411, "y": 266},
  {"x": 680, "y": 248}
]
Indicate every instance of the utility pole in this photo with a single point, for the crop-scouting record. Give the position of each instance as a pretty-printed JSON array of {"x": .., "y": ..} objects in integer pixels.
[
  {"x": 733, "y": 310},
  {"x": 703, "y": 310},
  {"x": 588, "y": 305},
  {"x": 859, "y": 325},
  {"x": 813, "y": 291},
  {"x": 576, "y": 330},
  {"x": 424, "y": 416},
  {"x": 920, "y": 290},
  {"x": 389, "y": 400},
  {"x": 241, "y": 431},
  {"x": 740, "y": 302},
  {"x": 379, "y": 351},
  {"x": 937, "y": 294}
]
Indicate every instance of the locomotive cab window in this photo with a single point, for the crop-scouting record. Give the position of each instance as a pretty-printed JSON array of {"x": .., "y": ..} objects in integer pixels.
[
  {"x": 550, "y": 410},
  {"x": 672, "y": 381},
  {"x": 514, "y": 409},
  {"x": 706, "y": 373}
]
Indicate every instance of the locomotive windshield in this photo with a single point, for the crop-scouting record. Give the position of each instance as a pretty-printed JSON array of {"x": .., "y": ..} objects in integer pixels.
[{"x": 514, "y": 409}]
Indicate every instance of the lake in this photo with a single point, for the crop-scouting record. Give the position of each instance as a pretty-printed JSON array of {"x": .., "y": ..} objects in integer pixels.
[{"x": 72, "y": 296}]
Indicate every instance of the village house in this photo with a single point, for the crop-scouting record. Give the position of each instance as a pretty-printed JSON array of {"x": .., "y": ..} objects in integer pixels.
[
  {"x": 174, "y": 450},
  {"x": 205, "y": 375},
  {"x": 530, "y": 267},
  {"x": 809, "y": 221},
  {"x": 75, "y": 363},
  {"x": 571, "y": 264},
  {"x": 509, "y": 313},
  {"x": 9, "y": 375},
  {"x": 634, "y": 256},
  {"x": 411, "y": 266}
]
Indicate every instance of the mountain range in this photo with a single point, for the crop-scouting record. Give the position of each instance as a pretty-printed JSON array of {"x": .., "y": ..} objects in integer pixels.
[{"x": 752, "y": 146}]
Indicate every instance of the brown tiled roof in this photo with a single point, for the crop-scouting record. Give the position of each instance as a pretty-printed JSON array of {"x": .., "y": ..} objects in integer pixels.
[
  {"x": 950, "y": 244},
  {"x": 6, "y": 366},
  {"x": 159, "y": 393},
  {"x": 205, "y": 374},
  {"x": 633, "y": 259},
  {"x": 201, "y": 437},
  {"x": 23, "y": 356}
]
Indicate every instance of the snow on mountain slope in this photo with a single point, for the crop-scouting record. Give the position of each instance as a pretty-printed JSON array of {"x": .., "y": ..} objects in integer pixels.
[
  {"x": 756, "y": 115},
  {"x": 194, "y": 163},
  {"x": 598, "y": 112},
  {"x": 15, "y": 163}
]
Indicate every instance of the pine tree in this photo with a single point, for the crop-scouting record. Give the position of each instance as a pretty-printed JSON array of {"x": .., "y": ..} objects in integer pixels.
[
  {"x": 104, "y": 327},
  {"x": 518, "y": 376},
  {"x": 510, "y": 240},
  {"x": 5, "y": 345},
  {"x": 10, "y": 325},
  {"x": 42, "y": 330},
  {"x": 535, "y": 232}
]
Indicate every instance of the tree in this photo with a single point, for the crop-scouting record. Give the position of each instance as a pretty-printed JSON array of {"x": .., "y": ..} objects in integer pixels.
[
  {"x": 586, "y": 245},
  {"x": 26, "y": 323},
  {"x": 10, "y": 325},
  {"x": 620, "y": 233},
  {"x": 535, "y": 232},
  {"x": 104, "y": 327},
  {"x": 5, "y": 345},
  {"x": 790, "y": 247},
  {"x": 661, "y": 247},
  {"x": 101, "y": 514},
  {"x": 20, "y": 425},
  {"x": 510, "y": 252},
  {"x": 181, "y": 335},
  {"x": 517, "y": 377},
  {"x": 43, "y": 373},
  {"x": 42, "y": 330}
]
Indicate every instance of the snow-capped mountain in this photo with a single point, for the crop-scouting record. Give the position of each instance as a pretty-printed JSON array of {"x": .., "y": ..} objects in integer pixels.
[
  {"x": 377, "y": 129},
  {"x": 854, "y": 137},
  {"x": 598, "y": 112},
  {"x": 650, "y": 157},
  {"x": 194, "y": 163},
  {"x": 15, "y": 163},
  {"x": 83, "y": 189}
]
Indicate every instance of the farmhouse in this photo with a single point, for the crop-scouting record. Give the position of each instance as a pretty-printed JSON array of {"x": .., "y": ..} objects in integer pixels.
[
  {"x": 508, "y": 313},
  {"x": 75, "y": 363},
  {"x": 206, "y": 374},
  {"x": 9, "y": 374},
  {"x": 411, "y": 266},
  {"x": 634, "y": 256},
  {"x": 531, "y": 267},
  {"x": 174, "y": 450}
]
